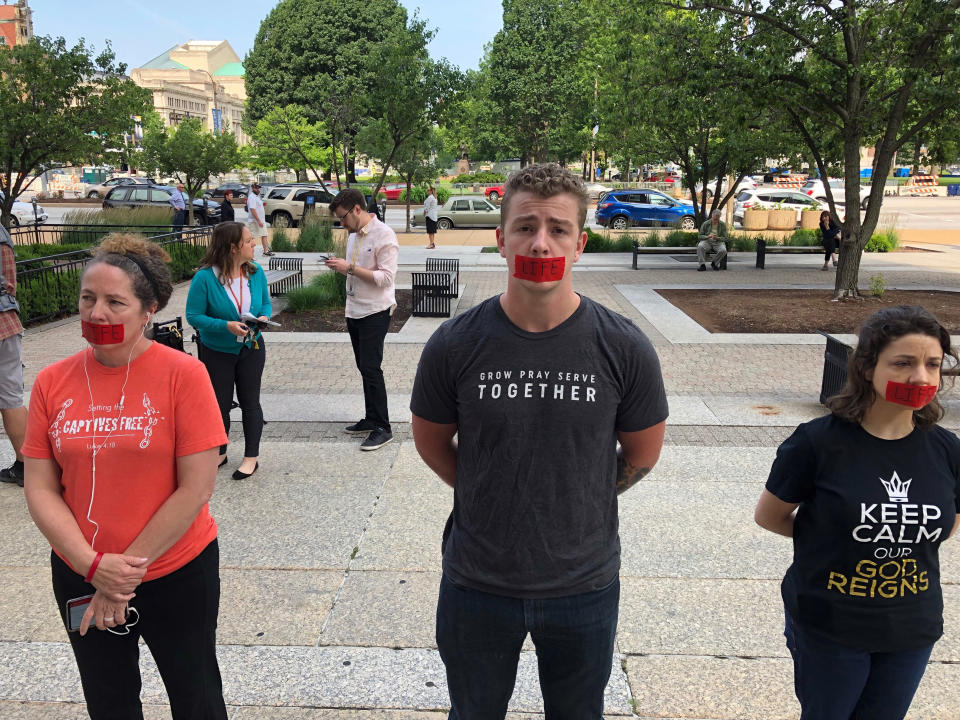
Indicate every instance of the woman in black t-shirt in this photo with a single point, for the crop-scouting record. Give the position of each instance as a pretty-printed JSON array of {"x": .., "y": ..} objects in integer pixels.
[
  {"x": 830, "y": 232},
  {"x": 868, "y": 493}
]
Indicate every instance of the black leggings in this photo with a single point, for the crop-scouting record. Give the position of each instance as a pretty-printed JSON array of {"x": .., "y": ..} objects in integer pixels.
[
  {"x": 178, "y": 621},
  {"x": 830, "y": 246},
  {"x": 242, "y": 371}
]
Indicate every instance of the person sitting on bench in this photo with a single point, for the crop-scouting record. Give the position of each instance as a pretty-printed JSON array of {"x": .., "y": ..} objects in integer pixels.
[{"x": 713, "y": 237}]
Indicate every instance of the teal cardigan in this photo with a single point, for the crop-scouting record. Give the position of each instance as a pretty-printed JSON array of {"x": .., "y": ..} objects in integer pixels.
[{"x": 210, "y": 307}]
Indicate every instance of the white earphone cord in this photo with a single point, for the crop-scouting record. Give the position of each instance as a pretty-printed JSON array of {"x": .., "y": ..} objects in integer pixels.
[{"x": 96, "y": 450}]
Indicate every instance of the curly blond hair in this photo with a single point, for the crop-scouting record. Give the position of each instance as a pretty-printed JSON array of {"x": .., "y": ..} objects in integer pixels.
[
  {"x": 545, "y": 181},
  {"x": 144, "y": 262}
]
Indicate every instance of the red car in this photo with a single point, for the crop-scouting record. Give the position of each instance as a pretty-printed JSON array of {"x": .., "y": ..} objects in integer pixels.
[
  {"x": 393, "y": 190},
  {"x": 494, "y": 193}
]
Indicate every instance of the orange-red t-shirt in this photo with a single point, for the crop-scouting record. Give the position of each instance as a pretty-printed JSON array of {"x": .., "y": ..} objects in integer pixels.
[{"x": 169, "y": 411}]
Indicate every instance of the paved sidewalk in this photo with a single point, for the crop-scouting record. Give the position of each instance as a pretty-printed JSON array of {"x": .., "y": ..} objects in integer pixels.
[{"x": 330, "y": 557}]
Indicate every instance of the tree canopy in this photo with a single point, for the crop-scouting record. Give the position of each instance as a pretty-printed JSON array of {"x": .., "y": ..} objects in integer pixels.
[{"x": 59, "y": 103}]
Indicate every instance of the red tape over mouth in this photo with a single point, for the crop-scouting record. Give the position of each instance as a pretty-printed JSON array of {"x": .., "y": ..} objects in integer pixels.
[
  {"x": 915, "y": 396},
  {"x": 101, "y": 334},
  {"x": 539, "y": 269}
]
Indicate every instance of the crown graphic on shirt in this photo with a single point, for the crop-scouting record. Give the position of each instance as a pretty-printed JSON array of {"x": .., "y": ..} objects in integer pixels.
[{"x": 896, "y": 488}]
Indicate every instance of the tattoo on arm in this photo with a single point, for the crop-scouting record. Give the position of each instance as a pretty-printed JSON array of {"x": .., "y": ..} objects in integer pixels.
[{"x": 628, "y": 475}]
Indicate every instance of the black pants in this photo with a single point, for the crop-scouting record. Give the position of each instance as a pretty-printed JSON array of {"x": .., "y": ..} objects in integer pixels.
[
  {"x": 367, "y": 335},
  {"x": 179, "y": 218},
  {"x": 178, "y": 622},
  {"x": 244, "y": 372},
  {"x": 830, "y": 246}
]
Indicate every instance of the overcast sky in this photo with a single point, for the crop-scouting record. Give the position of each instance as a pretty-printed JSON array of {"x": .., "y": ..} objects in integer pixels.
[{"x": 140, "y": 30}]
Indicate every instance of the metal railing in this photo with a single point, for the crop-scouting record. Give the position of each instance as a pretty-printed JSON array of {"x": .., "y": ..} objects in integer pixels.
[
  {"x": 49, "y": 287},
  {"x": 76, "y": 234}
]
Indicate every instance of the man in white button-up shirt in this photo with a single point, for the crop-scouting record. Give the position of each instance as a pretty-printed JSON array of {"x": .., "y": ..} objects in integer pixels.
[{"x": 371, "y": 269}]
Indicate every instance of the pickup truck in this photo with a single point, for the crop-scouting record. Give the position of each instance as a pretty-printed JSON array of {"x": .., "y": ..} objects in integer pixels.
[{"x": 494, "y": 192}]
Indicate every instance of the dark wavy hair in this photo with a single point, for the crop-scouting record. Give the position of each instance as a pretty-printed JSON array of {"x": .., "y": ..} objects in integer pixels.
[
  {"x": 144, "y": 262},
  {"x": 878, "y": 331},
  {"x": 545, "y": 181},
  {"x": 226, "y": 236}
]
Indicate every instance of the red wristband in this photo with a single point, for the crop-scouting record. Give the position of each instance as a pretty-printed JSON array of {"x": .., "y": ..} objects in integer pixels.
[{"x": 93, "y": 567}]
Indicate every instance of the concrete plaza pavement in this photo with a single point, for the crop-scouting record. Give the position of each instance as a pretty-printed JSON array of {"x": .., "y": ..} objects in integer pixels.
[{"x": 330, "y": 558}]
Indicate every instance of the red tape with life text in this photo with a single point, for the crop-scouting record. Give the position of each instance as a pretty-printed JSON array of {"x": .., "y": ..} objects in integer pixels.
[
  {"x": 915, "y": 396},
  {"x": 539, "y": 269},
  {"x": 101, "y": 334}
]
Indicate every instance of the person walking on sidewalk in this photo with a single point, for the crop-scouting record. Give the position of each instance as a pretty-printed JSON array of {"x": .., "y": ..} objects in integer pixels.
[
  {"x": 713, "y": 238},
  {"x": 257, "y": 224},
  {"x": 12, "y": 411},
  {"x": 430, "y": 215},
  {"x": 178, "y": 200},
  {"x": 226, "y": 207},
  {"x": 868, "y": 493},
  {"x": 371, "y": 269},
  {"x": 539, "y": 384}
]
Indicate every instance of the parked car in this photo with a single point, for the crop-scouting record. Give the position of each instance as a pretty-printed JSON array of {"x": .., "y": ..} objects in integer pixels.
[
  {"x": 393, "y": 190},
  {"x": 205, "y": 212},
  {"x": 595, "y": 189},
  {"x": 463, "y": 211},
  {"x": 621, "y": 209},
  {"x": 815, "y": 189},
  {"x": 774, "y": 198},
  {"x": 22, "y": 213},
  {"x": 748, "y": 183},
  {"x": 283, "y": 204},
  {"x": 103, "y": 188},
  {"x": 494, "y": 192},
  {"x": 240, "y": 191}
]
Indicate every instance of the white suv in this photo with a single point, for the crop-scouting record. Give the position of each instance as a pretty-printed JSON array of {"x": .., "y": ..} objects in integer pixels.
[
  {"x": 748, "y": 183},
  {"x": 774, "y": 198},
  {"x": 283, "y": 204},
  {"x": 815, "y": 189},
  {"x": 22, "y": 213}
]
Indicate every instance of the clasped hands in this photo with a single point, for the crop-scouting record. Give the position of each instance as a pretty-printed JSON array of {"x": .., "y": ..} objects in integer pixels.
[{"x": 116, "y": 578}]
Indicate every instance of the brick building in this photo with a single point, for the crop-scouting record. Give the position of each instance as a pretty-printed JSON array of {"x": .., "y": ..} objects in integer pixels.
[{"x": 16, "y": 23}]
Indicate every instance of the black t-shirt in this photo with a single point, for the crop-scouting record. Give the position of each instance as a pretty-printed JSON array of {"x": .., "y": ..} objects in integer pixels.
[
  {"x": 872, "y": 515},
  {"x": 537, "y": 414}
]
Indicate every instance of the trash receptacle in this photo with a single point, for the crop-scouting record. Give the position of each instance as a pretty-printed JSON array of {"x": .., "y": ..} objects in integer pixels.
[
  {"x": 953, "y": 190},
  {"x": 834, "y": 367}
]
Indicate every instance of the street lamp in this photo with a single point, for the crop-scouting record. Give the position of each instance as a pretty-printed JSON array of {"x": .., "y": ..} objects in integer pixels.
[{"x": 213, "y": 115}]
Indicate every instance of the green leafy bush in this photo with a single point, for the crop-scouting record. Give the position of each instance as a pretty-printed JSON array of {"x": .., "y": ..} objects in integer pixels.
[
  {"x": 280, "y": 242},
  {"x": 681, "y": 238},
  {"x": 804, "y": 238},
  {"x": 39, "y": 298},
  {"x": 601, "y": 243},
  {"x": 878, "y": 243},
  {"x": 479, "y": 178},
  {"x": 652, "y": 240},
  {"x": 418, "y": 193},
  {"x": 742, "y": 243},
  {"x": 878, "y": 285}
]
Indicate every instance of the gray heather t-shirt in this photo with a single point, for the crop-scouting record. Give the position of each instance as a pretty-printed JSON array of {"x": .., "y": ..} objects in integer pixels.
[{"x": 535, "y": 503}]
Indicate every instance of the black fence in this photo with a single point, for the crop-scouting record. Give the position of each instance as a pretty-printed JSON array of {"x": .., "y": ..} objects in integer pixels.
[
  {"x": 49, "y": 287},
  {"x": 77, "y": 234}
]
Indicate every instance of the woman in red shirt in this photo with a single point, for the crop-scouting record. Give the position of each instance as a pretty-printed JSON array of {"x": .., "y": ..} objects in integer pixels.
[{"x": 121, "y": 457}]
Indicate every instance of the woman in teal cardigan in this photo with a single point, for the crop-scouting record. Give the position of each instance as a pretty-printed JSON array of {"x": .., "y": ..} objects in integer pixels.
[{"x": 229, "y": 285}]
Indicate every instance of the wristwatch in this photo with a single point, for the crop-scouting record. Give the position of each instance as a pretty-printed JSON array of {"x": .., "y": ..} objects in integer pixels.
[{"x": 350, "y": 269}]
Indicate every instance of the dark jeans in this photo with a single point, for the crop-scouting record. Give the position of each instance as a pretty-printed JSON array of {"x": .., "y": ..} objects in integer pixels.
[
  {"x": 838, "y": 682},
  {"x": 480, "y": 635},
  {"x": 178, "y": 622},
  {"x": 179, "y": 218},
  {"x": 367, "y": 335},
  {"x": 244, "y": 372}
]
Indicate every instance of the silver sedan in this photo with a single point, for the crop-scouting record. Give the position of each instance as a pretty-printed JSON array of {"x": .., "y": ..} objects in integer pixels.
[{"x": 462, "y": 211}]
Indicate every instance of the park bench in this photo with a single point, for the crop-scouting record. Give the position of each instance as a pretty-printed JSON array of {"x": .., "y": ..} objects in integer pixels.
[
  {"x": 835, "y": 367},
  {"x": 434, "y": 289},
  {"x": 688, "y": 250},
  {"x": 762, "y": 251},
  {"x": 283, "y": 274}
]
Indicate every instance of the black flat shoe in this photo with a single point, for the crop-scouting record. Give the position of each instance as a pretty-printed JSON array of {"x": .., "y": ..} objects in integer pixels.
[
  {"x": 237, "y": 475},
  {"x": 222, "y": 462}
]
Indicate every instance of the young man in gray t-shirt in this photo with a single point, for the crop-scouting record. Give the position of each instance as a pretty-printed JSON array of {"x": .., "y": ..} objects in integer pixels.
[{"x": 519, "y": 405}]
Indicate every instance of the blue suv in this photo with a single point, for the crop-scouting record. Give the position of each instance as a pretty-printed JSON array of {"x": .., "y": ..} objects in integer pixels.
[{"x": 622, "y": 209}]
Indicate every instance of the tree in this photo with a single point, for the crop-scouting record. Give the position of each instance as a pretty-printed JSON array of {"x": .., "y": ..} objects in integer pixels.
[
  {"x": 191, "y": 154},
  {"x": 410, "y": 93},
  {"x": 858, "y": 73},
  {"x": 542, "y": 91},
  {"x": 472, "y": 119},
  {"x": 284, "y": 138},
  {"x": 315, "y": 54},
  {"x": 51, "y": 99}
]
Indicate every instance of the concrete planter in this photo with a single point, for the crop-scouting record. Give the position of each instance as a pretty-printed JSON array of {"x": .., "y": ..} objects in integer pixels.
[
  {"x": 781, "y": 219},
  {"x": 809, "y": 219},
  {"x": 755, "y": 219}
]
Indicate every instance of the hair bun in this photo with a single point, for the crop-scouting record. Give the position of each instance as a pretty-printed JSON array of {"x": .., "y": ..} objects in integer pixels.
[{"x": 130, "y": 244}]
